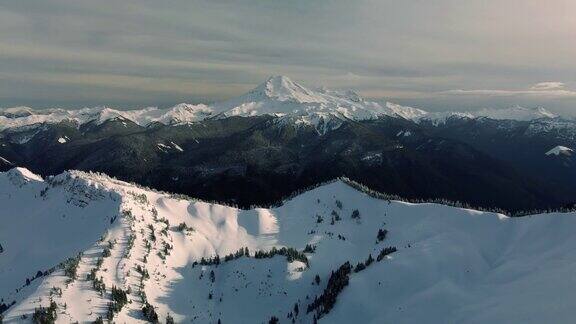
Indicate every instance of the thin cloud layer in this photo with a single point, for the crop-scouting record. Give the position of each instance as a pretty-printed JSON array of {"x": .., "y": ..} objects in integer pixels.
[
  {"x": 549, "y": 85},
  {"x": 552, "y": 90},
  {"x": 132, "y": 53}
]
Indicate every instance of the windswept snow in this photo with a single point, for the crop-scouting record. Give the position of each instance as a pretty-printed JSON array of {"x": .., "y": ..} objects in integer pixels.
[
  {"x": 560, "y": 150},
  {"x": 453, "y": 265}
]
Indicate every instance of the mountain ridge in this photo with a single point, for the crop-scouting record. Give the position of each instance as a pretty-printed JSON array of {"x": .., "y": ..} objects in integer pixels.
[
  {"x": 178, "y": 258},
  {"x": 278, "y": 96}
]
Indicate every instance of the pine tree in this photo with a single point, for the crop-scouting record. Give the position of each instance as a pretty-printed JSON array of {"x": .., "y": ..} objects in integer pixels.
[
  {"x": 381, "y": 235},
  {"x": 369, "y": 260}
]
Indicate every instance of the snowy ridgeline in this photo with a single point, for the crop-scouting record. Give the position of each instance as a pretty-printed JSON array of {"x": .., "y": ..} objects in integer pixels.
[
  {"x": 79, "y": 247},
  {"x": 288, "y": 101}
]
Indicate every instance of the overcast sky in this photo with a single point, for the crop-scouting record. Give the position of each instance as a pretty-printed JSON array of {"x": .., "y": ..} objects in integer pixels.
[{"x": 435, "y": 54}]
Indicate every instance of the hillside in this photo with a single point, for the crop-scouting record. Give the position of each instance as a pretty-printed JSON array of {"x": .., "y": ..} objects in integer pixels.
[{"x": 158, "y": 252}]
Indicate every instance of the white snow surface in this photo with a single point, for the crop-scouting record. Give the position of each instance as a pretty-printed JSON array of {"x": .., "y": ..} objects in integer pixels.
[
  {"x": 560, "y": 150},
  {"x": 453, "y": 265}
]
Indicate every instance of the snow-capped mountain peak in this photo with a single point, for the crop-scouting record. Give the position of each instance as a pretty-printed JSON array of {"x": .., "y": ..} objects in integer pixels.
[
  {"x": 321, "y": 108},
  {"x": 405, "y": 111},
  {"x": 180, "y": 114},
  {"x": 282, "y": 88}
]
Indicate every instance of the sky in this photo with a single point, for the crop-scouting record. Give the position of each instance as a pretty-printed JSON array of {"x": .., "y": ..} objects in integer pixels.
[{"x": 433, "y": 54}]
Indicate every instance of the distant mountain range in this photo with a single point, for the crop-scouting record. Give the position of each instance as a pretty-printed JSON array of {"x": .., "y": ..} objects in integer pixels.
[
  {"x": 278, "y": 96},
  {"x": 282, "y": 137}
]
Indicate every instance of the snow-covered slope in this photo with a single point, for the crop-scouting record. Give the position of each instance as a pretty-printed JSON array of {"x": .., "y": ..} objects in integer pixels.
[
  {"x": 558, "y": 150},
  {"x": 452, "y": 265},
  {"x": 43, "y": 224},
  {"x": 406, "y": 112}
]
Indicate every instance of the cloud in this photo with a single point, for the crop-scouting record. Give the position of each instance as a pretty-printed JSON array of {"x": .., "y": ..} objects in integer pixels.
[
  {"x": 143, "y": 52},
  {"x": 549, "y": 85},
  {"x": 541, "y": 89}
]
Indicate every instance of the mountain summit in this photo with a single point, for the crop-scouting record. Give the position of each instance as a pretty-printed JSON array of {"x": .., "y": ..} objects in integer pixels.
[
  {"x": 322, "y": 108},
  {"x": 282, "y": 88}
]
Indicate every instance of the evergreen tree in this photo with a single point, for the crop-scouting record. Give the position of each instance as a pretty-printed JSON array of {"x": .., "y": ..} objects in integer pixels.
[
  {"x": 150, "y": 313},
  {"x": 381, "y": 235},
  {"x": 369, "y": 260},
  {"x": 45, "y": 315},
  {"x": 339, "y": 204}
]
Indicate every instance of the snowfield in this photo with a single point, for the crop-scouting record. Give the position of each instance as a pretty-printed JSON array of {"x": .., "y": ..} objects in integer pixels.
[{"x": 452, "y": 265}]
